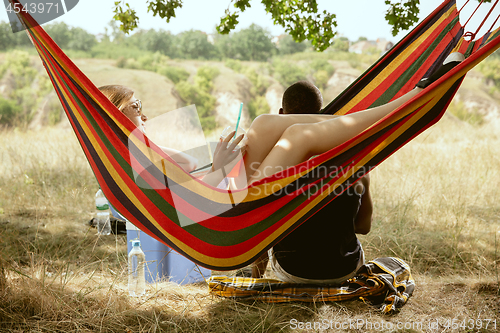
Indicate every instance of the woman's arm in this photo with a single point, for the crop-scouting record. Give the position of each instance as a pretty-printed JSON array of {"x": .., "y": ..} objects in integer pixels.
[{"x": 187, "y": 162}]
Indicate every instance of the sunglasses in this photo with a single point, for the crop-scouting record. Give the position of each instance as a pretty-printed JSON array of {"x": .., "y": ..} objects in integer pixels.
[{"x": 137, "y": 106}]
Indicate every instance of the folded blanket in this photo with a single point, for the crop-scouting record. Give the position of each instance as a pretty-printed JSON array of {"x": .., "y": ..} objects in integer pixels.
[{"x": 386, "y": 282}]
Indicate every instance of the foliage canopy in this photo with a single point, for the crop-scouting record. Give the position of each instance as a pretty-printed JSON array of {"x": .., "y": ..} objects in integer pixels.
[{"x": 300, "y": 18}]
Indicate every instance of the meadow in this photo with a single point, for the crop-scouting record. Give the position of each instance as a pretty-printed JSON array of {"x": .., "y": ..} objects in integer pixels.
[{"x": 436, "y": 206}]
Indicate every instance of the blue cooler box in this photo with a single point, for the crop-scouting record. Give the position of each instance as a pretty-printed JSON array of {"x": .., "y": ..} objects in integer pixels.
[{"x": 163, "y": 262}]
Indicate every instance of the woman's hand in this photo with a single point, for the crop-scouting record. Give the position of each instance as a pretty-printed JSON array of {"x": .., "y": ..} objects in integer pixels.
[{"x": 225, "y": 153}]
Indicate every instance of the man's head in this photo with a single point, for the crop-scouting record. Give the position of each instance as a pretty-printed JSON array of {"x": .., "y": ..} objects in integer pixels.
[{"x": 301, "y": 98}]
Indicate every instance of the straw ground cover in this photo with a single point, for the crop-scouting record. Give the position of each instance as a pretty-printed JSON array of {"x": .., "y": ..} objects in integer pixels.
[{"x": 436, "y": 206}]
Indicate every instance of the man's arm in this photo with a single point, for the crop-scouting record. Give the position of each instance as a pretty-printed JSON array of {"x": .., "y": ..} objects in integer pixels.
[{"x": 363, "y": 221}]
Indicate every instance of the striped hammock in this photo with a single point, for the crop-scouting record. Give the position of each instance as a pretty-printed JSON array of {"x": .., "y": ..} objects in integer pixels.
[{"x": 222, "y": 235}]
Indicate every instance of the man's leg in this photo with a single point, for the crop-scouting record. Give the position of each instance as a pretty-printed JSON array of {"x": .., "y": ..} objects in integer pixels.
[{"x": 300, "y": 141}]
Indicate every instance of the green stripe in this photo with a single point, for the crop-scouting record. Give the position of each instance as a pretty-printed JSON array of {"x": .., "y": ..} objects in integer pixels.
[
  {"x": 411, "y": 70},
  {"x": 154, "y": 197}
]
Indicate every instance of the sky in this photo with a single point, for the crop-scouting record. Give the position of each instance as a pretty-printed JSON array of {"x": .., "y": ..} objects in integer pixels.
[{"x": 356, "y": 18}]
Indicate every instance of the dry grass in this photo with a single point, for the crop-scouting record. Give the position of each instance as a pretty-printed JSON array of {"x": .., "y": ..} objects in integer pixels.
[{"x": 436, "y": 206}]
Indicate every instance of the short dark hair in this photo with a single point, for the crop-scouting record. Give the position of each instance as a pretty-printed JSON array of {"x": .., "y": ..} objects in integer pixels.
[{"x": 302, "y": 97}]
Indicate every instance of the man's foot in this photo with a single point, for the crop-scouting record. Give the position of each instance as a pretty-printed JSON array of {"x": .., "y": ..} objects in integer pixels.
[{"x": 451, "y": 61}]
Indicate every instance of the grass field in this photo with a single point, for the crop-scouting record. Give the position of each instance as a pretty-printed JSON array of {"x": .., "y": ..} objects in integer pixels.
[{"x": 437, "y": 206}]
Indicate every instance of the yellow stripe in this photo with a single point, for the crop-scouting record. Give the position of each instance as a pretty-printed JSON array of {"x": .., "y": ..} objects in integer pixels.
[
  {"x": 114, "y": 174},
  {"x": 71, "y": 74},
  {"x": 379, "y": 79}
]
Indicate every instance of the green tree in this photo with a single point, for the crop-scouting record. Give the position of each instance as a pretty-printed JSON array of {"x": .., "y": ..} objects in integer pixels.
[
  {"x": 287, "y": 45},
  {"x": 7, "y": 38},
  {"x": 300, "y": 18},
  {"x": 340, "y": 44},
  {"x": 60, "y": 33},
  {"x": 9, "y": 111},
  {"x": 156, "y": 41},
  {"x": 81, "y": 40},
  {"x": 199, "y": 94},
  {"x": 287, "y": 73},
  {"x": 193, "y": 44},
  {"x": 253, "y": 43},
  {"x": 26, "y": 88},
  {"x": 224, "y": 46}
]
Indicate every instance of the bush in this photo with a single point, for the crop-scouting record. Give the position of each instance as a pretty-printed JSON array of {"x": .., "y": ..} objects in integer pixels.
[
  {"x": 121, "y": 62},
  {"x": 152, "y": 61},
  {"x": 9, "y": 111},
  {"x": 288, "y": 46},
  {"x": 175, "y": 74},
  {"x": 489, "y": 68},
  {"x": 321, "y": 78},
  {"x": 322, "y": 65},
  {"x": 204, "y": 101},
  {"x": 235, "y": 65},
  {"x": 288, "y": 73},
  {"x": 108, "y": 50},
  {"x": 259, "y": 81},
  {"x": 27, "y": 88},
  {"x": 205, "y": 76},
  {"x": 472, "y": 117},
  {"x": 257, "y": 106}
]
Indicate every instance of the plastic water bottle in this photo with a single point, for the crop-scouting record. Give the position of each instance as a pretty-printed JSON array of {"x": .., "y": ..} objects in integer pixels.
[
  {"x": 136, "y": 273},
  {"x": 102, "y": 214}
]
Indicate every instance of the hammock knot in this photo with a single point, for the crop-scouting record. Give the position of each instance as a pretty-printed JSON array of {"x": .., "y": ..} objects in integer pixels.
[{"x": 469, "y": 34}]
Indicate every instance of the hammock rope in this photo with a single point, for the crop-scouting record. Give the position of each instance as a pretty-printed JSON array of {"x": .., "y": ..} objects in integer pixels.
[
  {"x": 486, "y": 18},
  {"x": 493, "y": 25},
  {"x": 198, "y": 220}
]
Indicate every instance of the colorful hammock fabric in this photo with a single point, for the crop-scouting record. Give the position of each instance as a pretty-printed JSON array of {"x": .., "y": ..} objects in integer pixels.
[
  {"x": 385, "y": 282},
  {"x": 225, "y": 236}
]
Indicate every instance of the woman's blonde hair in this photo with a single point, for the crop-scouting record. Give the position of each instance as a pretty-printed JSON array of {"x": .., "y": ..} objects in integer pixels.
[{"x": 117, "y": 94}]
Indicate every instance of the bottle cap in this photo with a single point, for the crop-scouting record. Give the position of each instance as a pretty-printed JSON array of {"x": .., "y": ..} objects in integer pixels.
[{"x": 136, "y": 242}]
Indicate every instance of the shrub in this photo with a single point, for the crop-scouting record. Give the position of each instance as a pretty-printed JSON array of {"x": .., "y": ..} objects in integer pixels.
[
  {"x": 489, "y": 68},
  {"x": 235, "y": 65},
  {"x": 205, "y": 76},
  {"x": 322, "y": 65},
  {"x": 152, "y": 61},
  {"x": 121, "y": 62},
  {"x": 289, "y": 46},
  {"x": 472, "y": 117},
  {"x": 204, "y": 101},
  {"x": 321, "y": 78},
  {"x": 175, "y": 74},
  {"x": 257, "y": 106},
  {"x": 259, "y": 81},
  {"x": 288, "y": 73},
  {"x": 9, "y": 111}
]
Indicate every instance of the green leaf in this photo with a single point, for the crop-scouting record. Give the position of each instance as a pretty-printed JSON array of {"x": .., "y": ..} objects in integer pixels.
[{"x": 128, "y": 17}]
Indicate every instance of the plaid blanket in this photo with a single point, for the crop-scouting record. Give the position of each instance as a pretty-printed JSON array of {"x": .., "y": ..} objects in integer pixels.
[{"x": 386, "y": 282}]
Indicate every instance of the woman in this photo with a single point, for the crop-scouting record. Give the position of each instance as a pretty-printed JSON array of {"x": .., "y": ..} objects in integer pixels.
[
  {"x": 276, "y": 142},
  {"x": 124, "y": 99}
]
